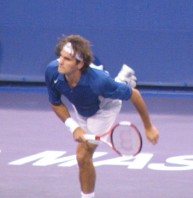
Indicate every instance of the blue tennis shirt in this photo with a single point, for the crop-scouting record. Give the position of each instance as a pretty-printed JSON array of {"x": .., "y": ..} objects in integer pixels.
[{"x": 85, "y": 96}]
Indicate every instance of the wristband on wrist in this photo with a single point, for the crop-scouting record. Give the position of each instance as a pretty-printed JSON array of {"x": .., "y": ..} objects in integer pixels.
[{"x": 71, "y": 124}]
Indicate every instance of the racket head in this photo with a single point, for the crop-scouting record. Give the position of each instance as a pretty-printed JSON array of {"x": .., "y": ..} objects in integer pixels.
[{"x": 126, "y": 139}]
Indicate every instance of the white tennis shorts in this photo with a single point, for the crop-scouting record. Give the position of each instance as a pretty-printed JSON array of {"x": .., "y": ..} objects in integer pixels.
[{"x": 103, "y": 120}]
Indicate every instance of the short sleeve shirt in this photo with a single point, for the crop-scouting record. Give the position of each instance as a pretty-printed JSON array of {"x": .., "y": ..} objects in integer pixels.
[{"x": 85, "y": 96}]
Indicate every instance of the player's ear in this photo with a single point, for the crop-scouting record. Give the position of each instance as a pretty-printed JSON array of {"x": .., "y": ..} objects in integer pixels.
[{"x": 80, "y": 65}]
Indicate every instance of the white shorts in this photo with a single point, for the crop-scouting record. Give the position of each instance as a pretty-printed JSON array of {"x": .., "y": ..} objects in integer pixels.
[{"x": 103, "y": 120}]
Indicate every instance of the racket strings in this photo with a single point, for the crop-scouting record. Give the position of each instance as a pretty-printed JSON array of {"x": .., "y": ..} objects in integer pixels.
[{"x": 126, "y": 140}]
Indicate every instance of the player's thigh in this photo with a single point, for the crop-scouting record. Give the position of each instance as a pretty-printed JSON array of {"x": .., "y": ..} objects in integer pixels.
[{"x": 104, "y": 119}]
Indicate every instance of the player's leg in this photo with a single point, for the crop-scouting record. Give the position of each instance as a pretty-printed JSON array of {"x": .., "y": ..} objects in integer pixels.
[
  {"x": 127, "y": 75},
  {"x": 101, "y": 122},
  {"x": 87, "y": 174}
]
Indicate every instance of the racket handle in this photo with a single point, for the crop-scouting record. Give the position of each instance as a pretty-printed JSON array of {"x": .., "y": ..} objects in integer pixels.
[{"x": 90, "y": 137}]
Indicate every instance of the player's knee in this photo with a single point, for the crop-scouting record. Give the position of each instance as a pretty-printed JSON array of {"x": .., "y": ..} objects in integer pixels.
[{"x": 83, "y": 158}]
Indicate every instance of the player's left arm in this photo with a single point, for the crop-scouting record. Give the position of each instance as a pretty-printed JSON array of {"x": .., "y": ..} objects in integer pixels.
[{"x": 152, "y": 133}]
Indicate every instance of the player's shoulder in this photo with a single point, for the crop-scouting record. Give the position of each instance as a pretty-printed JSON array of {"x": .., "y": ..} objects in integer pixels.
[
  {"x": 98, "y": 79},
  {"x": 51, "y": 70},
  {"x": 98, "y": 73},
  {"x": 52, "y": 67}
]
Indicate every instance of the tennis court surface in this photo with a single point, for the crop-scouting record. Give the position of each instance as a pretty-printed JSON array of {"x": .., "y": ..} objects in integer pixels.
[{"x": 37, "y": 158}]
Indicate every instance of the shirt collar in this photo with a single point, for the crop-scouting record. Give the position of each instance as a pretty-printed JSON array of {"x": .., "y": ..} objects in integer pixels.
[
  {"x": 82, "y": 81},
  {"x": 61, "y": 77}
]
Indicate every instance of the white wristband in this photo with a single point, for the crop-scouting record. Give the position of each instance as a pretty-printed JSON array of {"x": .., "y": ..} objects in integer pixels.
[{"x": 71, "y": 124}]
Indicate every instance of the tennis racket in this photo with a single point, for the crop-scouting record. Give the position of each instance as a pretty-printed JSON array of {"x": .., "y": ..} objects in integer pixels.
[{"x": 124, "y": 138}]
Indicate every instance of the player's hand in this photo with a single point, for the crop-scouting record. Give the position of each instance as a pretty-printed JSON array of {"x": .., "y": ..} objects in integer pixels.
[
  {"x": 78, "y": 135},
  {"x": 152, "y": 135}
]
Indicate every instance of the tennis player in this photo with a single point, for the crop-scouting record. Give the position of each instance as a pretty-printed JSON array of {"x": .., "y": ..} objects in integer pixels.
[{"x": 96, "y": 98}]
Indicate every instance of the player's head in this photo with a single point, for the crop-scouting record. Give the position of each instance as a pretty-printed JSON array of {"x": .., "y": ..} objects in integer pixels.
[{"x": 78, "y": 47}]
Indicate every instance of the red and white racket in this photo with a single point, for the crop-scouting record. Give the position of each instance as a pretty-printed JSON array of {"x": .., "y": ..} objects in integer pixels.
[{"x": 124, "y": 138}]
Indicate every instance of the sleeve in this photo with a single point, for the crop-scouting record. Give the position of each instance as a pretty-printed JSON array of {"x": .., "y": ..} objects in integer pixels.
[
  {"x": 53, "y": 94},
  {"x": 114, "y": 90}
]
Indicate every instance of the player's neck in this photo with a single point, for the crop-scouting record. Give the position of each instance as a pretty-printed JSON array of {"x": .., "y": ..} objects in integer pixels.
[{"x": 73, "y": 79}]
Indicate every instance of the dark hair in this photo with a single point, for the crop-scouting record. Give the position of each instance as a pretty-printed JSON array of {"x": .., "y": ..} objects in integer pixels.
[{"x": 81, "y": 47}]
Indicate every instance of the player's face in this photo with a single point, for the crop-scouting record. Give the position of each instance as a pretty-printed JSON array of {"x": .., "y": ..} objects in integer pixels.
[{"x": 67, "y": 64}]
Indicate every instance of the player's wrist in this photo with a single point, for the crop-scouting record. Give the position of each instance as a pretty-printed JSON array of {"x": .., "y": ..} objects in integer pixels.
[{"x": 71, "y": 124}]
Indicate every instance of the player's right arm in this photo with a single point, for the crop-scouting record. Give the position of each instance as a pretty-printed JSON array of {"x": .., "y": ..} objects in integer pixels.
[
  {"x": 61, "y": 111},
  {"x": 51, "y": 76},
  {"x": 58, "y": 106}
]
